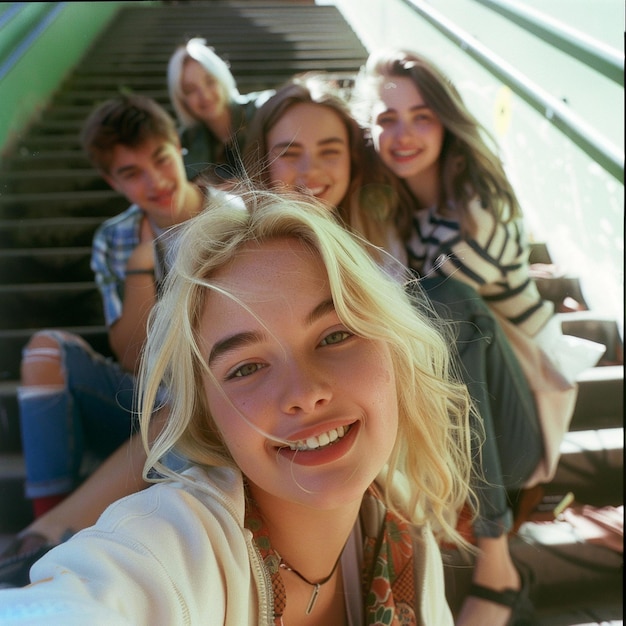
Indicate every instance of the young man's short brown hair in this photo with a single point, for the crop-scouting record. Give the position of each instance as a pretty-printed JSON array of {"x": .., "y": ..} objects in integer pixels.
[{"x": 127, "y": 120}]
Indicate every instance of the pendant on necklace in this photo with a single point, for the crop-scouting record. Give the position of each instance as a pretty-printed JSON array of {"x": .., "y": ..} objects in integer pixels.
[{"x": 313, "y": 600}]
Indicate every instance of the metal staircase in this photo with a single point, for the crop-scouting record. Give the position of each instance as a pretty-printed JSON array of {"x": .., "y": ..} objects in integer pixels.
[{"x": 52, "y": 201}]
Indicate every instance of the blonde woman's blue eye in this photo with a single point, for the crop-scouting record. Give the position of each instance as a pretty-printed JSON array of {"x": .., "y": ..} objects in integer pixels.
[{"x": 336, "y": 337}]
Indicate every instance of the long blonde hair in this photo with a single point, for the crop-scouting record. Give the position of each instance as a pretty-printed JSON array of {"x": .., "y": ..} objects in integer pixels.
[
  {"x": 197, "y": 50},
  {"x": 469, "y": 167},
  {"x": 431, "y": 457}
]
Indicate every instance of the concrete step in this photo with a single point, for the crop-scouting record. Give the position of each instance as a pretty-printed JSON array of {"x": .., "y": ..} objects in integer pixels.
[
  {"x": 10, "y": 439},
  {"x": 24, "y": 160},
  {"x": 591, "y": 467},
  {"x": 15, "y": 511},
  {"x": 600, "y": 401},
  {"x": 573, "y": 582},
  {"x": 595, "y": 327},
  {"x": 559, "y": 288}
]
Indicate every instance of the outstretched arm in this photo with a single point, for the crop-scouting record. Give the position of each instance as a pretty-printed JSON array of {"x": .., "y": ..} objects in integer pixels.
[{"x": 119, "y": 475}]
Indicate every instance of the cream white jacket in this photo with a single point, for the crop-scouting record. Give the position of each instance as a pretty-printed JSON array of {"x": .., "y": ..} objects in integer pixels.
[{"x": 174, "y": 554}]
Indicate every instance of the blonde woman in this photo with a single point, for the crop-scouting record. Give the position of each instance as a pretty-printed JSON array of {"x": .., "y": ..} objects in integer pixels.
[
  {"x": 305, "y": 139},
  {"x": 326, "y": 438},
  {"x": 213, "y": 115}
]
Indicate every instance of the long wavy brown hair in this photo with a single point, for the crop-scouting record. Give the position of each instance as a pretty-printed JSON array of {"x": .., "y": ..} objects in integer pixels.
[
  {"x": 370, "y": 206},
  {"x": 469, "y": 166}
]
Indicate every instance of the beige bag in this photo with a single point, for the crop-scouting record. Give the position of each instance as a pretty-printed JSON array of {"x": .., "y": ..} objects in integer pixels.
[{"x": 555, "y": 398}]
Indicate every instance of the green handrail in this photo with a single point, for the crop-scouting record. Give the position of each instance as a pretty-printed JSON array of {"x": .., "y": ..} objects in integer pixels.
[
  {"x": 605, "y": 154},
  {"x": 18, "y": 27},
  {"x": 583, "y": 48}
]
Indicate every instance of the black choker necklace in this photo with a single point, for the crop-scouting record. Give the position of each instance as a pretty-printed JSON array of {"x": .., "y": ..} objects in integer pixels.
[{"x": 316, "y": 586}]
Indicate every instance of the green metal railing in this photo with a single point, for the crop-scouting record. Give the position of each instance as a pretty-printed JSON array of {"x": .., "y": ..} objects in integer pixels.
[
  {"x": 557, "y": 112},
  {"x": 583, "y": 48},
  {"x": 40, "y": 42},
  {"x": 21, "y": 23}
]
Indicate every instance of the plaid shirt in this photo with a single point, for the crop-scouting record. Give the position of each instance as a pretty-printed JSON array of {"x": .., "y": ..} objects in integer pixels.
[{"x": 113, "y": 243}]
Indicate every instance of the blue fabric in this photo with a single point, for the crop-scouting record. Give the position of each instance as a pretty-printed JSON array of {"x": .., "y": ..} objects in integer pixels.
[
  {"x": 512, "y": 446},
  {"x": 113, "y": 243},
  {"x": 94, "y": 412}
]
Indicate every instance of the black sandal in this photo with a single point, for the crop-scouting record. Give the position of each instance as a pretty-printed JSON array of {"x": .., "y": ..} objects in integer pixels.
[{"x": 518, "y": 600}]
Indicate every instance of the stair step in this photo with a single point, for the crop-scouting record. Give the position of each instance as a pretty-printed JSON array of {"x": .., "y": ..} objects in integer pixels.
[
  {"x": 50, "y": 232},
  {"x": 569, "y": 573},
  {"x": 53, "y": 180},
  {"x": 90, "y": 97},
  {"x": 57, "y": 265},
  {"x": 10, "y": 441},
  {"x": 65, "y": 203},
  {"x": 573, "y": 582},
  {"x": 59, "y": 304},
  {"x": 270, "y": 52},
  {"x": 19, "y": 514},
  {"x": 539, "y": 253},
  {"x": 560, "y": 287},
  {"x": 600, "y": 401},
  {"x": 591, "y": 467},
  {"x": 595, "y": 327},
  {"x": 241, "y": 65},
  {"x": 24, "y": 160}
]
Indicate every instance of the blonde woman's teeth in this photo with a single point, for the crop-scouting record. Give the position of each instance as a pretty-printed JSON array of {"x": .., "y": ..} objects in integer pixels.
[{"x": 321, "y": 441}]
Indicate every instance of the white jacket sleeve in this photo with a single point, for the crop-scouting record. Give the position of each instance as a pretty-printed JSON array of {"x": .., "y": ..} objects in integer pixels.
[{"x": 157, "y": 557}]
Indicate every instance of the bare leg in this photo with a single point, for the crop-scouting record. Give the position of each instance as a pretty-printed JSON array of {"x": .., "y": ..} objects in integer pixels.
[
  {"x": 495, "y": 570},
  {"x": 119, "y": 475},
  {"x": 43, "y": 365}
]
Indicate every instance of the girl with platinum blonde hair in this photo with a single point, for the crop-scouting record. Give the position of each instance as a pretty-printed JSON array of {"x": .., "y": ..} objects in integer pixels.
[
  {"x": 197, "y": 50},
  {"x": 213, "y": 115},
  {"x": 328, "y": 441}
]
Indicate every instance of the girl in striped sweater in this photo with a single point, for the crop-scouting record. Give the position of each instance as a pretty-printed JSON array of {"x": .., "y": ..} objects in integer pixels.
[
  {"x": 465, "y": 218},
  {"x": 464, "y": 224}
]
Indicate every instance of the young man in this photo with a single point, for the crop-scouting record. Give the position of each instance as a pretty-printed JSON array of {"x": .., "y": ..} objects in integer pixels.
[
  {"x": 134, "y": 144},
  {"x": 72, "y": 399}
]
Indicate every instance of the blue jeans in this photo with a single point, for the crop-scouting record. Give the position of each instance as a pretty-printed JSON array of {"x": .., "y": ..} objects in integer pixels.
[
  {"x": 512, "y": 445},
  {"x": 94, "y": 411}
]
